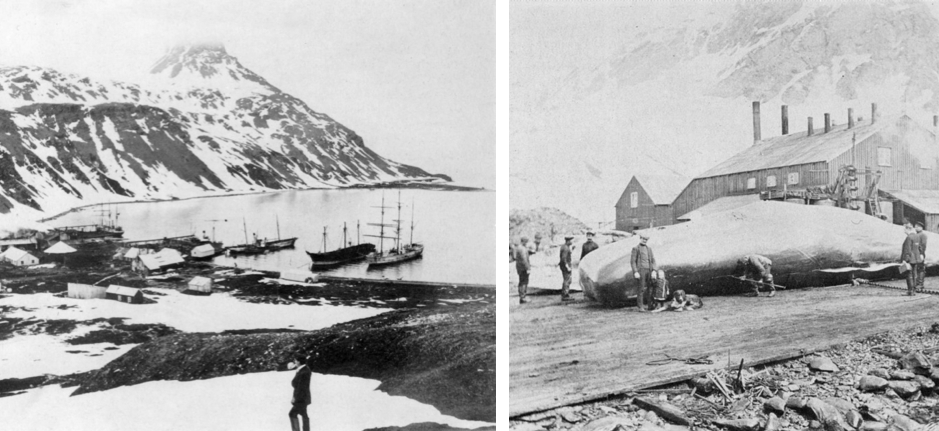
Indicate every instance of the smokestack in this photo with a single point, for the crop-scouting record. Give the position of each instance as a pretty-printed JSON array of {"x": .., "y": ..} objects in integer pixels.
[
  {"x": 756, "y": 122},
  {"x": 827, "y": 122},
  {"x": 785, "y": 120},
  {"x": 873, "y": 113},
  {"x": 811, "y": 129},
  {"x": 850, "y": 118}
]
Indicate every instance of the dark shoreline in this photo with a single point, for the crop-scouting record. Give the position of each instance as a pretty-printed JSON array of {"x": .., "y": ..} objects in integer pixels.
[{"x": 409, "y": 184}]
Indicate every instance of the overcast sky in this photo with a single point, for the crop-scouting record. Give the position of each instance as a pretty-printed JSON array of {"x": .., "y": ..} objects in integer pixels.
[{"x": 415, "y": 79}]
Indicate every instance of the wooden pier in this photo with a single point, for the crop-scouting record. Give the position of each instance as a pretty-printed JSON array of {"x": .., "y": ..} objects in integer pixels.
[{"x": 568, "y": 353}]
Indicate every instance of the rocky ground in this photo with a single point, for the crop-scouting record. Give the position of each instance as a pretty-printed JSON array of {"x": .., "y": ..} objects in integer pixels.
[{"x": 886, "y": 382}]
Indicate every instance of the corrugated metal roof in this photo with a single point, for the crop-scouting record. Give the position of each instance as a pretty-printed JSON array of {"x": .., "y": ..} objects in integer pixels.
[
  {"x": 664, "y": 188},
  {"x": 798, "y": 149},
  {"x": 122, "y": 290},
  {"x": 720, "y": 205},
  {"x": 926, "y": 201}
]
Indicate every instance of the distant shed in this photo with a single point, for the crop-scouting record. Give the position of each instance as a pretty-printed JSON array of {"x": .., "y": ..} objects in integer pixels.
[
  {"x": 201, "y": 284},
  {"x": 86, "y": 291},
  {"x": 166, "y": 258},
  {"x": 19, "y": 257},
  {"x": 126, "y": 294},
  {"x": 647, "y": 201},
  {"x": 132, "y": 253}
]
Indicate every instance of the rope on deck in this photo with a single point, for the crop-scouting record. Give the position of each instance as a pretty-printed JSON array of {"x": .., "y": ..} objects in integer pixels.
[{"x": 885, "y": 286}]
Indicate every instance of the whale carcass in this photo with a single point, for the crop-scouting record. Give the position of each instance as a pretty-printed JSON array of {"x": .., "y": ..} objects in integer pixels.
[{"x": 809, "y": 246}]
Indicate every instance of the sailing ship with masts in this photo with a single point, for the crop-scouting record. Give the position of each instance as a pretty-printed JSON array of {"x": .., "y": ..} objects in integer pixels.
[
  {"x": 279, "y": 243},
  {"x": 400, "y": 252},
  {"x": 348, "y": 253},
  {"x": 259, "y": 246}
]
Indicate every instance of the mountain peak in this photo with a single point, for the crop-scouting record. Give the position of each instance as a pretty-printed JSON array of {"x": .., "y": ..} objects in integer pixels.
[{"x": 206, "y": 65}]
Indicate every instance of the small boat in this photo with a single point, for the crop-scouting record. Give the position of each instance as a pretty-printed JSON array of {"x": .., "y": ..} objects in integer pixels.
[
  {"x": 399, "y": 253},
  {"x": 248, "y": 248},
  {"x": 278, "y": 244},
  {"x": 339, "y": 256}
]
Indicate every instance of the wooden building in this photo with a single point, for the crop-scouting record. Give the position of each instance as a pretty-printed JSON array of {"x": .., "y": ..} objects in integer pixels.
[
  {"x": 200, "y": 284},
  {"x": 126, "y": 294},
  {"x": 904, "y": 153},
  {"x": 647, "y": 202},
  {"x": 19, "y": 257}
]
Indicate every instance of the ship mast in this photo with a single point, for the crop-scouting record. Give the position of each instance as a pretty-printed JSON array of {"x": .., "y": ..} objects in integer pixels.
[
  {"x": 278, "y": 226},
  {"x": 245, "y": 225},
  {"x": 412, "y": 220},
  {"x": 381, "y": 231},
  {"x": 358, "y": 236},
  {"x": 324, "y": 239},
  {"x": 344, "y": 245},
  {"x": 398, "y": 227}
]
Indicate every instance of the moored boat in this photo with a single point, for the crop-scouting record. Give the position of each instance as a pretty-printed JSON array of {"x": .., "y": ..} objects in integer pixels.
[
  {"x": 399, "y": 253},
  {"x": 339, "y": 256}
]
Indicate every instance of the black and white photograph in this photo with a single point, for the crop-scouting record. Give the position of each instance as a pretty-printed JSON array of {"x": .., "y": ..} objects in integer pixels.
[
  {"x": 248, "y": 215},
  {"x": 721, "y": 215}
]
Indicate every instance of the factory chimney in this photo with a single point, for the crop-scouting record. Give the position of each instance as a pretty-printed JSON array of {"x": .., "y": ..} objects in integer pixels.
[
  {"x": 785, "y": 120},
  {"x": 810, "y": 129},
  {"x": 850, "y": 118},
  {"x": 827, "y": 122},
  {"x": 756, "y": 122},
  {"x": 873, "y": 113}
]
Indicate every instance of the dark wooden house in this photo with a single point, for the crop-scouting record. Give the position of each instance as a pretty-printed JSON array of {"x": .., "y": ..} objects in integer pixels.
[
  {"x": 647, "y": 202},
  {"x": 905, "y": 154},
  {"x": 126, "y": 294}
]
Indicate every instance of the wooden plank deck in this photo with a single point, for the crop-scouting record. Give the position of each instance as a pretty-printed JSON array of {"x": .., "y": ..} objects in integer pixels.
[{"x": 562, "y": 354}]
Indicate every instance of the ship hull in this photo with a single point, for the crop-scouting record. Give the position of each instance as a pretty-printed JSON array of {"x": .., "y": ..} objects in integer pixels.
[
  {"x": 341, "y": 256},
  {"x": 391, "y": 258}
]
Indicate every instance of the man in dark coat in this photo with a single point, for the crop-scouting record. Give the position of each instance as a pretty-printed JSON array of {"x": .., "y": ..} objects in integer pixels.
[
  {"x": 566, "y": 268},
  {"x": 588, "y": 246},
  {"x": 523, "y": 267},
  {"x": 758, "y": 269},
  {"x": 643, "y": 265},
  {"x": 301, "y": 395},
  {"x": 914, "y": 253}
]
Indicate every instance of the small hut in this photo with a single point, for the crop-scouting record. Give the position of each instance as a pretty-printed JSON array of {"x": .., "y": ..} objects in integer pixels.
[
  {"x": 201, "y": 284},
  {"x": 132, "y": 253},
  {"x": 204, "y": 251},
  {"x": 86, "y": 291},
  {"x": 161, "y": 261},
  {"x": 126, "y": 294},
  {"x": 19, "y": 257}
]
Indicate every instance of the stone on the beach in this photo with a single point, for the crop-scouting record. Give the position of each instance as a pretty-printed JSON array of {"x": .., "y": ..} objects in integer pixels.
[
  {"x": 703, "y": 385},
  {"x": 822, "y": 363},
  {"x": 571, "y": 416},
  {"x": 875, "y": 404},
  {"x": 901, "y": 375},
  {"x": 527, "y": 426},
  {"x": 650, "y": 426},
  {"x": 880, "y": 372},
  {"x": 608, "y": 423},
  {"x": 916, "y": 362},
  {"x": 748, "y": 424},
  {"x": 775, "y": 404},
  {"x": 904, "y": 388},
  {"x": 651, "y": 417},
  {"x": 827, "y": 414},
  {"x": 795, "y": 403},
  {"x": 872, "y": 383},
  {"x": 854, "y": 419},
  {"x": 608, "y": 410},
  {"x": 772, "y": 423},
  {"x": 843, "y": 406},
  {"x": 934, "y": 375},
  {"x": 873, "y": 426},
  {"x": 903, "y": 423},
  {"x": 925, "y": 383}
]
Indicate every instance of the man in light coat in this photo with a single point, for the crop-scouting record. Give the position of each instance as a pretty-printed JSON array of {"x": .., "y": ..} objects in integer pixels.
[
  {"x": 914, "y": 253},
  {"x": 523, "y": 267}
]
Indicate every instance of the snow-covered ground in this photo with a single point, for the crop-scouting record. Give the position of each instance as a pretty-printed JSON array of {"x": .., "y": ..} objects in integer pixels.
[
  {"x": 32, "y": 355},
  {"x": 214, "y": 313},
  {"x": 258, "y": 401}
]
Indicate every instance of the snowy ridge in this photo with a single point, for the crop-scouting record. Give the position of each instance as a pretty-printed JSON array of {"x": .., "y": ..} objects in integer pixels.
[{"x": 203, "y": 124}]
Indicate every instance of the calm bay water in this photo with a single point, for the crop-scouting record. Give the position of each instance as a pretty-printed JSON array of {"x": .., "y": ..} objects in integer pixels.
[{"x": 456, "y": 228}]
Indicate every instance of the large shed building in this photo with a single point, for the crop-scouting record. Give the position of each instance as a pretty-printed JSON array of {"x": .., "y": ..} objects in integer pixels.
[{"x": 647, "y": 202}]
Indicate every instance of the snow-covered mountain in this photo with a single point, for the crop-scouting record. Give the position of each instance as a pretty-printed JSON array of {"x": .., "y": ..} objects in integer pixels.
[
  {"x": 675, "y": 96},
  {"x": 200, "y": 124}
]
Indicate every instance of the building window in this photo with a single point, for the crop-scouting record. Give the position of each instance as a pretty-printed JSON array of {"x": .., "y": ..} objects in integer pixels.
[
  {"x": 634, "y": 200},
  {"x": 793, "y": 178},
  {"x": 883, "y": 156},
  {"x": 751, "y": 183},
  {"x": 771, "y": 181}
]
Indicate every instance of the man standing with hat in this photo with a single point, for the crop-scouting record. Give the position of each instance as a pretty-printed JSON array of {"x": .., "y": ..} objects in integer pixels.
[
  {"x": 523, "y": 266},
  {"x": 588, "y": 246},
  {"x": 914, "y": 253},
  {"x": 566, "y": 268},
  {"x": 643, "y": 265}
]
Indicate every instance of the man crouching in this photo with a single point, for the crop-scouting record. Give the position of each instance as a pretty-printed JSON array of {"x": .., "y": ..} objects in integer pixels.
[{"x": 756, "y": 269}]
